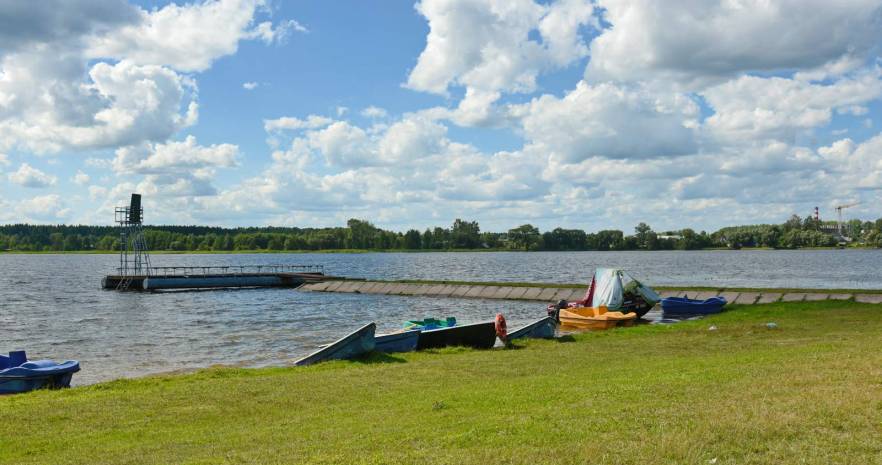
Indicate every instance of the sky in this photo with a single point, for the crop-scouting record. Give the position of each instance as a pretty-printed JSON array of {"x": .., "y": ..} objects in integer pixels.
[{"x": 572, "y": 113}]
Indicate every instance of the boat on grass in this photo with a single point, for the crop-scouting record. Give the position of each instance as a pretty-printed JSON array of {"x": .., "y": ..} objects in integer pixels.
[
  {"x": 542, "y": 328},
  {"x": 359, "y": 342},
  {"x": 18, "y": 374},
  {"x": 617, "y": 290},
  {"x": 405, "y": 341},
  {"x": 477, "y": 335},
  {"x": 684, "y": 307},
  {"x": 429, "y": 323},
  {"x": 594, "y": 318}
]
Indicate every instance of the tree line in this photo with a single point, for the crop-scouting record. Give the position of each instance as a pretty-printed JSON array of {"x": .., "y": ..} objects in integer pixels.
[{"x": 461, "y": 235}]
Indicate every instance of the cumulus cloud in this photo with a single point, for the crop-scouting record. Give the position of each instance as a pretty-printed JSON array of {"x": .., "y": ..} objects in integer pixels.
[
  {"x": 121, "y": 104},
  {"x": 174, "y": 157},
  {"x": 250, "y": 85},
  {"x": 23, "y": 24},
  {"x": 610, "y": 121},
  {"x": 28, "y": 176},
  {"x": 291, "y": 123},
  {"x": 81, "y": 178},
  {"x": 858, "y": 165},
  {"x": 374, "y": 112},
  {"x": 752, "y": 107},
  {"x": 83, "y": 75},
  {"x": 496, "y": 46},
  {"x": 42, "y": 208},
  {"x": 210, "y": 30},
  {"x": 175, "y": 168},
  {"x": 695, "y": 41},
  {"x": 487, "y": 44}
]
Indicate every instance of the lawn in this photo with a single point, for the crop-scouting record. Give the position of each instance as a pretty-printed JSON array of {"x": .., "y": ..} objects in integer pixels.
[{"x": 808, "y": 392}]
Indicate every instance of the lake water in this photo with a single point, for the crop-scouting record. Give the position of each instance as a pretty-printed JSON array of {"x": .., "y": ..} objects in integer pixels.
[{"x": 53, "y": 306}]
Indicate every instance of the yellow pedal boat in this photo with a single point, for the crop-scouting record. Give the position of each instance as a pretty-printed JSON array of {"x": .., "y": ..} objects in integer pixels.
[{"x": 594, "y": 318}]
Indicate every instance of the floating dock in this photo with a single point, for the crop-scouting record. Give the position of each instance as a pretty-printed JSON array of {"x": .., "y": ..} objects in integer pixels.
[{"x": 210, "y": 277}]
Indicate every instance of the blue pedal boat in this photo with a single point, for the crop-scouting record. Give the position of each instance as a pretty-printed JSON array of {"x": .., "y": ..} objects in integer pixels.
[
  {"x": 683, "y": 307},
  {"x": 18, "y": 374},
  {"x": 360, "y": 341},
  {"x": 405, "y": 341},
  {"x": 542, "y": 328}
]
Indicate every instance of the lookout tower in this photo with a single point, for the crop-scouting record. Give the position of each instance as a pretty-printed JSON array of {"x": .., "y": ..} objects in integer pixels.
[{"x": 133, "y": 258}]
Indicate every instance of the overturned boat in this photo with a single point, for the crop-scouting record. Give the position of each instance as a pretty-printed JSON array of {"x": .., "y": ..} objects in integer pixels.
[
  {"x": 477, "y": 335},
  {"x": 405, "y": 341},
  {"x": 359, "y": 342},
  {"x": 18, "y": 374},
  {"x": 543, "y": 328}
]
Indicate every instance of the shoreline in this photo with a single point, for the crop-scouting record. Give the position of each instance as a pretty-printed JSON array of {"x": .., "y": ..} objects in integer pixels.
[
  {"x": 415, "y": 251},
  {"x": 466, "y": 406}
]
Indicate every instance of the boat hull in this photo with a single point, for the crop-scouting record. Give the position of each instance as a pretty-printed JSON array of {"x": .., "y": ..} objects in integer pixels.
[
  {"x": 405, "y": 341},
  {"x": 543, "y": 328},
  {"x": 41, "y": 374},
  {"x": 359, "y": 342},
  {"x": 594, "y": 318},
  {"x": 682, "y": 307},
  {"x": 478, "y": 336}
]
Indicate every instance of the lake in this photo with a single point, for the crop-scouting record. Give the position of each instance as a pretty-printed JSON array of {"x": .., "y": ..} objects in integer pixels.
[{"x": 53, "y": 306}]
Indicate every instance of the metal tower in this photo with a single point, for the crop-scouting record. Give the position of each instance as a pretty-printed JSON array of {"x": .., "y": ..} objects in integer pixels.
[{"x": 133, "y": 257}]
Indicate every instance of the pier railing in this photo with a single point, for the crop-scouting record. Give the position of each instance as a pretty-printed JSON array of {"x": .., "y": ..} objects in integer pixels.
[{"x": 226, "y": 270}]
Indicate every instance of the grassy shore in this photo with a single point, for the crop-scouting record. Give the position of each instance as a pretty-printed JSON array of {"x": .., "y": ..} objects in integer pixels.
[{"x": 807, "y": 392}]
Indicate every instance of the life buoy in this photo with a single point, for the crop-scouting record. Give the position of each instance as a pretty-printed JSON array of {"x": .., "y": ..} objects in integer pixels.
[{"x": 501, "y": 328}]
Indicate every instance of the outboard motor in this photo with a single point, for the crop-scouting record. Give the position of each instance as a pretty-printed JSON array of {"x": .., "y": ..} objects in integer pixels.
[{"x": 554, "y": 311}]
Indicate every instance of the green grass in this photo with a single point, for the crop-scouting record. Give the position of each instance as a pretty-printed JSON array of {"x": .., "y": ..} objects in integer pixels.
[{"x": 807, "y": 392}]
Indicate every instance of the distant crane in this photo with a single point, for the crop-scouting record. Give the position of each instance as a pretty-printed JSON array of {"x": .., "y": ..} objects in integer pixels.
[{"x": 839, "y": 214}]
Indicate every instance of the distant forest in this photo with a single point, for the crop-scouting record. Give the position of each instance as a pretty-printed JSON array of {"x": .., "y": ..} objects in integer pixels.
[{"x": 462, "y": 235}]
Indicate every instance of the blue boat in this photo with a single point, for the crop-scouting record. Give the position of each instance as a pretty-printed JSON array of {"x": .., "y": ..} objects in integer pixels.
[
  {"x": 405, "y": 341},
  {"x": 542, "y": 328},
  {"x": 683, "y": 307},
  {"x": 359, "y": 342},
  {"x": 18, "y": 374}
]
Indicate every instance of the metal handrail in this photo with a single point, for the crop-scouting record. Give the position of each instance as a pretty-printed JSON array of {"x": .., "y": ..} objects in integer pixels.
[{"x": 228, "y": 270}]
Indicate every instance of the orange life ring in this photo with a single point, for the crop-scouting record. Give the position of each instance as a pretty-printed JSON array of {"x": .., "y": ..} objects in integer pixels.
[{"x": 501, "y": 327}]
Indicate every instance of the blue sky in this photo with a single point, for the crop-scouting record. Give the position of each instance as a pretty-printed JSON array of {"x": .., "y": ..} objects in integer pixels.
[{"x": 566, "y": 113}]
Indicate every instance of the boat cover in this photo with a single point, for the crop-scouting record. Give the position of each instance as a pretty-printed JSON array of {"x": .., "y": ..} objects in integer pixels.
[{"x": 610, "y": 284}]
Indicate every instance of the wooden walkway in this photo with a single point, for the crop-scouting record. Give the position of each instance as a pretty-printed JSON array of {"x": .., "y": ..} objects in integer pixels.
[{"x": 553, "y": 294}]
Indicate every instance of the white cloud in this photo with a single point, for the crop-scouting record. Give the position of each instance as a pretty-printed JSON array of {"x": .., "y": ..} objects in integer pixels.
[
  {"x": 28, "y": 176},
  {"x": 4, "y": 160},
  {"x": 41, "y": 209},
  {"x": 609, "y": 121},
  {"x": 120, "y": 104},
  {"x": 291, "y": 123},
  {"x": 486, "y": 45},
  {"x": 750, "y": 108},
  {"x": 269, "y": 34},
  {"x": 210, "y": 30},
  {"x": 81, "y": 178},
  {"x": 250, "y": 85},
  {"x": 374, "y": 112},
  {"x": 695, "y": 42},
  {"x": 856, "y": 165},
  {"x": 174, "y": 157}
]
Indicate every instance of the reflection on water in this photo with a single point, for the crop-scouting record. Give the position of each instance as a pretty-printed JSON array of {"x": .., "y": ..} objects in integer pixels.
[{"x": 52, "y": 306}]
